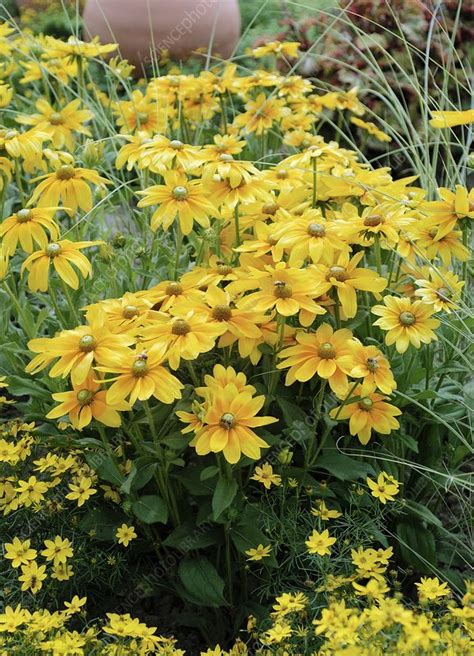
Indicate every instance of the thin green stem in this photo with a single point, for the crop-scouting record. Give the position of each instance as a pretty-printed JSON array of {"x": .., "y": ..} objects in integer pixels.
[
  {"x": 315, "y": 181},
  {"x": 71, "y": 305}
]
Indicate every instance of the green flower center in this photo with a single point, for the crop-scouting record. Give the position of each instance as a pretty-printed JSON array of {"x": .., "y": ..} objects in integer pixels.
[
  {"x": 433, "y": 232},
  {"x": 176, "y": 144},
  {"x": 327, "y": 351},
  {"x": 366, "y": 403},
  {"x": 140, "y": 367},
  {"x": 316, "y": 230},
  {"x": 270, "y": 208},
  {"x": 222, "y": 312},
  {"x": 372, "y": 364},
  {"x": 174, "y": 289},
  {"x": 130, "y": 311},
  {"x": 11, "y": 134},
  {"x": 53, "y": 250},
  {"x": 337, "y": 272},
  {"x": 227, "y": 420},
  {"x": 23, "y": 216},
  {"x": 224, "y": 269},
  {"x": 282, "y": 290},
  {"x": 87, "y": 343},
  {"x": 142, "y": 117},
  {"x": 225, "y": 157},
  {"x": 180, "y": 193},
  {"x": 65, "y": 172},
  {"x": 407, "y": 318},
  {"x": 56, "y": 119},
  {"x": 444, "y": 293},
  {"x": 373, "y": 220},
  {"x": 180, "y": 327},
  {"x": 282, "y": 175},
  {"x": 84, "y": 397}
]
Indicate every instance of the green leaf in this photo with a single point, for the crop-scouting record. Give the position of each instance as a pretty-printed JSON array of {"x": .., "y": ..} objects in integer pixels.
[
  {"x": 102, "y": 523},
  {"x": 150, "y": 509},
  {"x": 202, "y": 584},
  {"x": 223, "y": 496},
  {"x": 106, "y": 468},
  {"x": 19, "y": 386},
  {"x": 209, "y": 472},
  {"x": 189, "y": 536},
  {"x": 343, "y": 467},
  {"x": 417, "y": 545},
  {"x": 423, "y": 512}
]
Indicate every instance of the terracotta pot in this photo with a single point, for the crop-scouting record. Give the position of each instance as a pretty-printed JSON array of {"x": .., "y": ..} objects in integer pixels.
[{"x": 180, "y": 26}]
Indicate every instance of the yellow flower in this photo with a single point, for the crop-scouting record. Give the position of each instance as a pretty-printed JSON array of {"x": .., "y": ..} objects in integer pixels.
[
  {"x": 19, "y": 552},
  {"x": 161, "y": 153},
  {"x": 69, "y": 185},
  {"x": 370, "y": 413},
  {"x": 60, "y": 124},
  {"x": 32, "y": 576},
  {"x": 57, "y": 550},
  {"x": 320, "y": 543},
  {"x": 141, "y": 375},
  {"x": 77, "y": 350},
  {"x": 86, "y": 402},
  {"x": 326, "y": 353},
  {"x": 75, "y": 605},
  {"x": 287, "y": 290},
  {"x": 74, "y": 48},
  {"x": 28, "y": 145},
  {"x": 261, "y": 113},
  {"x": 28, "y": 227},
  {"x": 406, "y": 322},
  {"x": 259, "y": 553},
  {"x": 184, "y": 336},
  {"x": 385, "y": 488},
  {"x": 309, "y": 236},
  {"x": 453, "y": 206},
  {"x": 371, "y": 365},
  {"x": 265, "y": 476},
  {"x": 287, "y": 49},
  {"x": 278, "y": 633},
  {"x": 324, "y": 513},
  {"x": 227, "y": 425},
  {"x": 442, "y": 290},
  {"x": 373, "y": 589},
  {"x": 31, "y": 491},
  {"x": 61, "y": 254},
  {"x": 450, "y": 119},
  {"x": 178, "y": 197},
  {"x": 82, "y": 491},
  {"x": 125, "y": 534},
  {"x": 430, "y": 589},
  {"x": 371, "y": 128},
  {"x": 346, "y": 278}
]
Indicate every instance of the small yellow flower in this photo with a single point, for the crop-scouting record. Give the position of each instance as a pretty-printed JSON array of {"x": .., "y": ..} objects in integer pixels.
[
  {"x": 81, "y": 492},
  {"x": 259, "y": 553},
  {"x": 430, "y": 589},
  {"x": 265, "y": 476},
  {"x": 125, "y": 534},
  {"x": 20, "y": 553},
  {"x": 57, "y": 550},
  {"x": 320, "y": 543},
  {"x": 385, "y": 488}
]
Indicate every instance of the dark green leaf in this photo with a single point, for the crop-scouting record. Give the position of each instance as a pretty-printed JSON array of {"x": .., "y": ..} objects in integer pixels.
[
  {"x": 150, "y": 509},
  {"x": 201, "y": 582},
  {"x": 223, "y": 496},
  {"x": 343, "y": 467}
]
